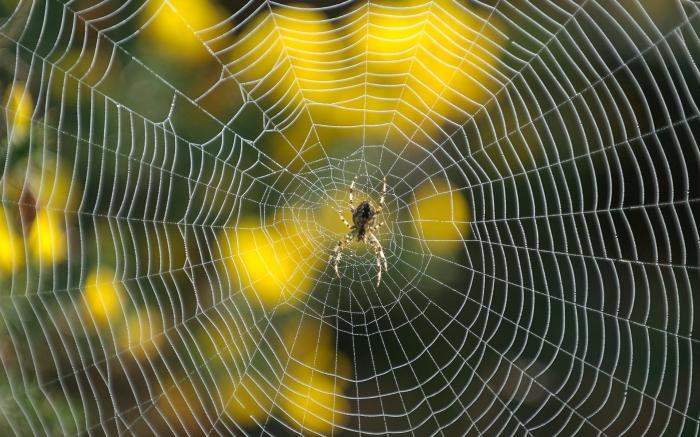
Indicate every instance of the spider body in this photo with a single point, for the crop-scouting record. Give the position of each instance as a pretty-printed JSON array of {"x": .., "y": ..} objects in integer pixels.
[
  {"x": 363, "y": 228},
  {"x": 363, "y": 218}
]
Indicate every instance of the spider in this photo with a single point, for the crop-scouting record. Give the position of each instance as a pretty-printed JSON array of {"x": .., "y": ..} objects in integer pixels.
[{"x": 362, "y": 228}]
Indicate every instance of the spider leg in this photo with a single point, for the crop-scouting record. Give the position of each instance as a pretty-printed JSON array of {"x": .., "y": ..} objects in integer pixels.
[
  {"x": 379, "y": 253},
  {"x": 380, "y": 250},
  {"x": 377, "y": 226},
  {"x": 340, "y": 214},
  {"x": 352, "y": 187},
  {"x": 379, "y": 270},
  {"x": 337, "y": 254},
  {"x": 381, "y": 199}
]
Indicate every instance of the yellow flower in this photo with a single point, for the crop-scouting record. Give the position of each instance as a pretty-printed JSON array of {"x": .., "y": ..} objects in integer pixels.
[
  {"x": 54, "y": 187},
  {"x": 103, "y": 296},
  {"x": 19, "y": 106},
  {"x": 313, "y": 401},
  {"x": 426, "y": 61},
  {"x": 47, "y": 239},
  {"x": 247, "y": 401},
  {"x": 294, "y": 62},
  {"x": 171, "y": 26},
  {"x": 271, "y": 263},
  {"x": 310, "y": 397},
  {"x": 11, "y": 246},
  {"x": 295, "y": 334},
  {"x": 142, "y": 334},
  {"x": 441, "y": 216}
]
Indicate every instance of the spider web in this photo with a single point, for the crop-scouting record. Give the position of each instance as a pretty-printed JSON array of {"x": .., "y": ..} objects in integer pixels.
[{"x": 540, "y": 221}]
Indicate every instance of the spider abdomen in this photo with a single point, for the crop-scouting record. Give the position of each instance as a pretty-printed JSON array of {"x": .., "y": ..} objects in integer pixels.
[{"x": 363, "y": 218}]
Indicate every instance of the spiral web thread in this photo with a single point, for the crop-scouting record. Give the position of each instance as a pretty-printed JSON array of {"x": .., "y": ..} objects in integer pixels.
[{"x": 567, "y": 307}]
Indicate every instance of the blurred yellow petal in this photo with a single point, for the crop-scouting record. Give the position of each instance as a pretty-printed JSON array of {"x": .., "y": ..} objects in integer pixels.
[
  {"x": 313, "y": 401},
  {"x": 271, "y": 263},
  {"x": 304, "y": 339},
  {"x": 11, "y": 246},
  {"x": 19, "y": 106},
  {"x": 54, "y": 187},
  {"x": 143, "y": 333},
  {"x": 246, "y": 401},
  {"x": 294, "y": 61},
  {"x": 441, "y": 216},
  {"x": 47, "y": 238},
  {"x": 312, "y": 343},
  {"x": 174, "y": 23},
  {"x": 427, "y": 61},
  {"x": 103, "y": 296},
  {"x": 413, "y": 67},
  {"x": 311, "y": 393}
]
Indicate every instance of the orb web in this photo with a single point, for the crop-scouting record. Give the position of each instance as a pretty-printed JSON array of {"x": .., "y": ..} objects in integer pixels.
[{"x": 173, "y": 173}]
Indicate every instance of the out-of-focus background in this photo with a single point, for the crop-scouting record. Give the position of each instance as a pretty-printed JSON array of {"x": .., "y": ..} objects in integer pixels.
[{"x": 173, "y": 172}]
